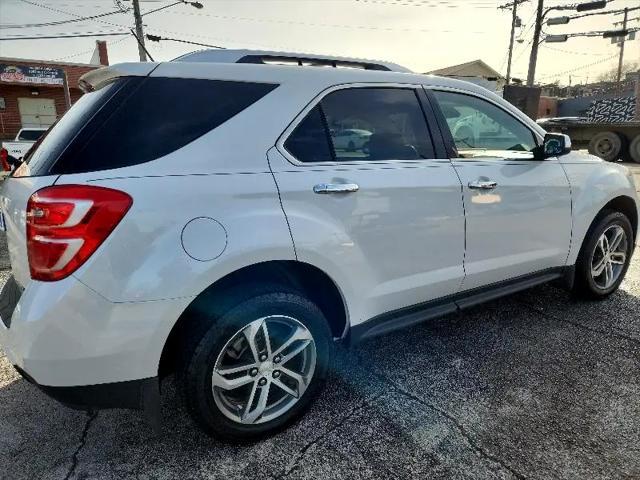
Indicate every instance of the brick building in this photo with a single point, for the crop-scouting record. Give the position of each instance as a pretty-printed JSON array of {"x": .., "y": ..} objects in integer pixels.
[{"x": 32, "y": 92}]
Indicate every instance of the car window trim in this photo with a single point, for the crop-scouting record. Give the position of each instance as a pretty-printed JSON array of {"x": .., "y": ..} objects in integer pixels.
[
  {"x": 284, "y": 136},
  {"x": 446, "y": 131}
]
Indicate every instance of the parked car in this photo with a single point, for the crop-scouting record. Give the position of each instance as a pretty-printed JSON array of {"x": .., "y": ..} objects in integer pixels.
[
  {"x": 13, "y": 152},
  {"x": 350, "y": 139},
  {"x": 222, "y": 237}
]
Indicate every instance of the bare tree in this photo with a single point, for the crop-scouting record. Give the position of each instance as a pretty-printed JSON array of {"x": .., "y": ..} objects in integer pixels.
[{"x": 612, "y": 74}]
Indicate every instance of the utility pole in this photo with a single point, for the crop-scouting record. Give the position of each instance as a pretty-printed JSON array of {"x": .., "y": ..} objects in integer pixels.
[
  {"x": 531, "y": 75},
  {"x": 139, "y": 32},
  {"x": 514, "y": 20},
  {"x": 624, "y": 27}
]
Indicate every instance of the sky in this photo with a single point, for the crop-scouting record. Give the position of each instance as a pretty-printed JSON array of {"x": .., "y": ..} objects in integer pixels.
[{"x": 422, "y": 35}]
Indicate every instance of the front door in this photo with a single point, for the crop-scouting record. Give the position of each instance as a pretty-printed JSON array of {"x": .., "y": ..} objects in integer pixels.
[
  {"x": 369, "y": 202},
  {"x": 518, "y": 210}
]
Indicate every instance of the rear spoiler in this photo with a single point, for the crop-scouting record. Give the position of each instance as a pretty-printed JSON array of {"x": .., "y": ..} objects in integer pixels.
[{"x": 96, "y": 79}]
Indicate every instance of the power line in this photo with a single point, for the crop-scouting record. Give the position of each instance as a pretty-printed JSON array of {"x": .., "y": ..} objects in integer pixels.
[
  {"x": 61, "y": 22},
  {"x": 46, "y": 7},
  {"x": 157, "y": 38},
  {"x": 582, "y": 67},
  {"x": 546, "y": 47},
  {"x": 432, "y": 4},
  {"x": 325, "y": 25},
  {"x": 91, "y": 50},
  {"x": 60, "y": 35}
]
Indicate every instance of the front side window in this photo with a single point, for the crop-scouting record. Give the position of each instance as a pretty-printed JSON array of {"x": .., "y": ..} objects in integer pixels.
[
  {"x": 480, "y": 128},
  {"x": 363, "y": 124}
]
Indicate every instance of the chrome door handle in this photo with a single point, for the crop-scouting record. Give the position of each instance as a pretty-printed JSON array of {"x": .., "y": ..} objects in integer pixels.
[
  {"x": 483, "y": 185},
  {"x": 325, "y": 188}
]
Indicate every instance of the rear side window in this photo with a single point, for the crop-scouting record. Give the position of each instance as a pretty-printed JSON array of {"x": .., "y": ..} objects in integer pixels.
[
  {"x": 370, "y": 124},
  {"x": 147, "y": 118},
  {"x": 309, "y": 141}
]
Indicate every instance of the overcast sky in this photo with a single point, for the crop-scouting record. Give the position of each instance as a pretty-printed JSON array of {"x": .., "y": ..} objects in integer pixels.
[{"x": 420, "y": 34}]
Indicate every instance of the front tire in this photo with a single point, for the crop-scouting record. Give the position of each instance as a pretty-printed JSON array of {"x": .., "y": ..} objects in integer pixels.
[
  {"x": 604, "y": 257},
  {"x": 257, "y": 367}
]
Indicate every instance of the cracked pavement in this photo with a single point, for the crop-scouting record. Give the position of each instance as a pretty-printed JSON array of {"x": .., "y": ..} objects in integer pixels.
[{"x": 532, "y": 386}]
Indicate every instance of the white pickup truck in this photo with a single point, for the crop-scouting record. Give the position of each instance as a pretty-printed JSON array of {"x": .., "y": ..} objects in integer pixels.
[{"x": 25, "y": 138}]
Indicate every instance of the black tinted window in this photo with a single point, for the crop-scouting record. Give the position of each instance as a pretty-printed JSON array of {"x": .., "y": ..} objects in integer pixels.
[
  {"x": 148, "y": 118},
  {"x": 309, "y": 141},
  {"x": 50, "y": 146},
  {"x": 377, "y": 124}
]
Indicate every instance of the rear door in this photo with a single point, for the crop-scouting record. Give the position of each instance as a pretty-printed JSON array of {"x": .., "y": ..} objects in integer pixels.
[
  {"x": 383, "y": 216},
  {"x": 518, "y": 210}
]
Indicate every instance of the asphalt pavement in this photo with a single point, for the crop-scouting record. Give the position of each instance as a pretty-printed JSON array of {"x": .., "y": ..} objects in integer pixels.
[{"x": 533, "y": 386}]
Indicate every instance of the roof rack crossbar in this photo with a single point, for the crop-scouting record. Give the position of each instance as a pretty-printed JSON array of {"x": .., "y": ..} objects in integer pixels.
[{"x": 313, "y": 61}]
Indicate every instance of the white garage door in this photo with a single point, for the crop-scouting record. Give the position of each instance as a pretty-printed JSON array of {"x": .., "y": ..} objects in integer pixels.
[{"x": 37, "y": 112}]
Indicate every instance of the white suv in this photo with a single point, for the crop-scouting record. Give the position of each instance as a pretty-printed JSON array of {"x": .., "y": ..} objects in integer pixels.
[{"x": 194, "y": 217}]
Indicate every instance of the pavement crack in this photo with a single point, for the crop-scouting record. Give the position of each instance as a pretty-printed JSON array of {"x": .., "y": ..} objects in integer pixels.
[
  {"x": 616, "y": 333},
  {"x": 300, "y": 454},
  {"x": 459, "y": 426},
  {"x": 91, "y": 416}
]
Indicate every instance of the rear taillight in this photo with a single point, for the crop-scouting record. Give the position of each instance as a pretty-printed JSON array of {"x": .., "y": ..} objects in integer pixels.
[
  {"x": 4, "y": 160},
  {"x": 67, "y": 223}
]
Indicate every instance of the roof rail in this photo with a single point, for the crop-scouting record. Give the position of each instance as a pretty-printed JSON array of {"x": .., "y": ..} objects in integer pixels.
[{"x": 263, "y": 57}]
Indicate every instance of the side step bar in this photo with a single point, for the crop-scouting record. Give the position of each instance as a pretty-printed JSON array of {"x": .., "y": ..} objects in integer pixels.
[{"x": 406, "y": 317}]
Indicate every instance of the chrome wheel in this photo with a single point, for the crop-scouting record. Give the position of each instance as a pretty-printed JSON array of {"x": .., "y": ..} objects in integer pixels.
[
  {"x": 264, "y": 369},
  {"x": 609, "y": 257}
]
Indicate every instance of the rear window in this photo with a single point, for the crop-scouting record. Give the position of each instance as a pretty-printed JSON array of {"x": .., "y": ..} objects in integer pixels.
[{"x": 137, "y": 120}]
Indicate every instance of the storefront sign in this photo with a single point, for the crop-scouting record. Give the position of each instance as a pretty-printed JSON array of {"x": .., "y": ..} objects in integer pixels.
[{"x": 31, "y": 74}]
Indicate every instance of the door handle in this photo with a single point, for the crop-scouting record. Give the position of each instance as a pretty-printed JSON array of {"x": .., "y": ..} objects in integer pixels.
[
  {"x": 325, "y": 188},
  {"x": 483, "y": 185}
]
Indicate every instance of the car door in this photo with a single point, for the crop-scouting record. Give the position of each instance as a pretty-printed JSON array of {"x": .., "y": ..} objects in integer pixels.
[
  {"x": 382, "y": 217},
  {"x": 518, "y": 209}
]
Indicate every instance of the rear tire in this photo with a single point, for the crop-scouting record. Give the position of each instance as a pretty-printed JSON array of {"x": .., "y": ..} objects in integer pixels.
[
  {"x": 267, "y": 401},
  {"x": 606, "y": 145},
  {"x": 604, "y": 257},
  {"x": 634, "y": 149}
]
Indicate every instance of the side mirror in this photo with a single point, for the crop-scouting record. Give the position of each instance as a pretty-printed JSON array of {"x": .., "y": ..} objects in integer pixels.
[{"x": 554, "y": 145}]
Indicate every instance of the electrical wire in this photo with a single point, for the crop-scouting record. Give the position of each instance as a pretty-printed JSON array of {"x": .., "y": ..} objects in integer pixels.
[
  {"x": 582, "y": 67},
  {"x": 91, "y": 50},
  {"x": 61, "y": 22},
  {"x": 325, "y": 25},
  {"x": 71, "y": 35}
]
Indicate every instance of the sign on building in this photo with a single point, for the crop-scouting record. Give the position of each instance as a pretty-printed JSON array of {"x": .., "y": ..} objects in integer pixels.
[{"x": 31, "y": 74}]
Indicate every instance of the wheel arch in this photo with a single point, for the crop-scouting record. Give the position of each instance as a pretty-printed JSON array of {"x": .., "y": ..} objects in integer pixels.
[
  {"x": 308, "y": 279},
  {"x": 626, "y": 205}
]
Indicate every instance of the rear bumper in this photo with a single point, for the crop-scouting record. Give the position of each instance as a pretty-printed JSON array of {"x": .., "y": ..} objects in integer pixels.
[
  {"x": 141, "y": 394},
  {"x": 64, "y": 335}
]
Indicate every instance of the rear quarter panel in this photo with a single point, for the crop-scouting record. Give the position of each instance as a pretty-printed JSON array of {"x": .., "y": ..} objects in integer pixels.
[{"x": 144, "y": 258}]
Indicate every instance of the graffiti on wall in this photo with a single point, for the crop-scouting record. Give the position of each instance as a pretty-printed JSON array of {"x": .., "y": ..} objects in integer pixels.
[{"x": 612, "y": 110}]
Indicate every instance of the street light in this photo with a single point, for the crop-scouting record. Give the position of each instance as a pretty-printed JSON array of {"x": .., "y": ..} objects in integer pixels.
[
  {"x": 615, "y": 33},
  {"x": 585, "y": 7},
  {"x": 556, "y": 38},
  {"x": 558, "y": 21},
  {"x": 540, "y": 16}
]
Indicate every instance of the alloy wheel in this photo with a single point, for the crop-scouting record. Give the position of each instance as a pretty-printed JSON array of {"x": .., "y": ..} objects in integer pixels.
[
  {"x": 264, "y": 369},
  {"x": 609, "y": 257}
]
